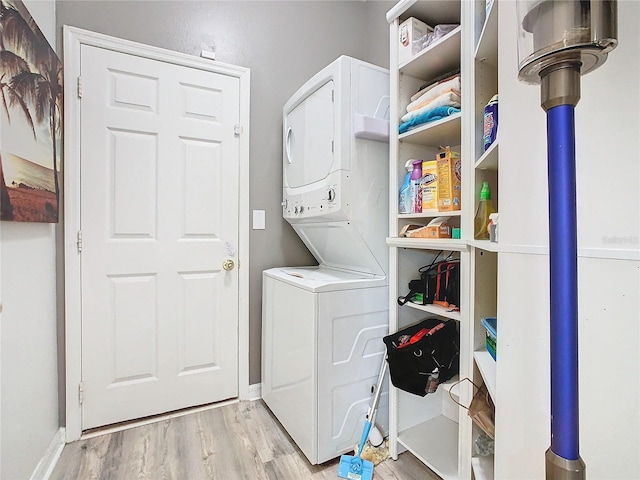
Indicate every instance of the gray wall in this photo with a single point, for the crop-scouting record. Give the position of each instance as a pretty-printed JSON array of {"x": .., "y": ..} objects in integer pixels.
[{"x": 283, "y": 43}]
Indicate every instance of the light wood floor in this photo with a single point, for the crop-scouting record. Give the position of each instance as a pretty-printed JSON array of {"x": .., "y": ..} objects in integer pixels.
[{"x": 242, "y": 441}]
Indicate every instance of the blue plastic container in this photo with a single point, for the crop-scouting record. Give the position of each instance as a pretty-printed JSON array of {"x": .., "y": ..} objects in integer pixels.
[{"x": 491, "y": 340}]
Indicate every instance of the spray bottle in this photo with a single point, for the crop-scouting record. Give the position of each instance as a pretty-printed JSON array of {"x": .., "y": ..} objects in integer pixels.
[
  {"x": 485, "y": 208},
  {"x": 406, "y": 199},
  {"x": 416, "y": 188}
]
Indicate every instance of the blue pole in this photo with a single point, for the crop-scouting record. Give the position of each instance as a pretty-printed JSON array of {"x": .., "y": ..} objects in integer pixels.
[{"x": 563, "y": 281}]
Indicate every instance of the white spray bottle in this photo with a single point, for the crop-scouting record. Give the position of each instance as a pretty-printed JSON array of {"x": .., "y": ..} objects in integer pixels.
[{"x": 406, "y": 191}]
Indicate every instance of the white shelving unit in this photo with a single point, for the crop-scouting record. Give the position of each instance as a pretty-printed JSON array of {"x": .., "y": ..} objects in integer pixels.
[
  {"x": 434, "y": 428},
  {"x": 429, "y": 427},
  {"x": 496, "y": 277},
  {"x": 484, "y": 270}
]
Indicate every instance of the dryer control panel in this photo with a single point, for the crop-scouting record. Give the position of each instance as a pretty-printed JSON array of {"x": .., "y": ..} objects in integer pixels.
[{"x": 322, "y": 203}]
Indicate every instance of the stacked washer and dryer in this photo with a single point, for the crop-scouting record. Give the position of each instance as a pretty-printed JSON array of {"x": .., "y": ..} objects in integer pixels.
[{"x": 322, "y": 326}]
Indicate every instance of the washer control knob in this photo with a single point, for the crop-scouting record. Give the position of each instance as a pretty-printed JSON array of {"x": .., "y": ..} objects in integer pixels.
[
  {"x": 284, "y": 204},
  {"x": 301, "y": 209},
  {"x": 295, "y": 210},
  {"x": 331, "y": 195}
]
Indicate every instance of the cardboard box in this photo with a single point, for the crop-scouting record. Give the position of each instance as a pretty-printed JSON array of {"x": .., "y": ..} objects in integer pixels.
[
  {"x": 436, "y": 228},
  {"x": 410, "y": 30},
  {"x": 449, "y": 180},
  {"x": 414, "y": 231},
  {"x": 429, "y": 185},
  {"x": 439, "y": 228}
]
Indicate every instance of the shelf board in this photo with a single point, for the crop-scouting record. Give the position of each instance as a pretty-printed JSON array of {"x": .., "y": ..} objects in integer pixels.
[
  {"x": 487, "y": 366},
  {"x": 430, "y": 214},
  {"x": 434, "y": 12},
  {"x": 434, "y": 443},
  {"x": 482, "y": 466},
  {"x": 487, "y": 48},
  {"x": 445, "y": 132},
  {"x": 447, "y": 244},
  {"x": 586, "y": 252},
  {"x": 485, "y": 245},
  {"x": 489, "y": 159},
  {"x": 437, "y": 59},
  {"x": 436, "y": 310}
]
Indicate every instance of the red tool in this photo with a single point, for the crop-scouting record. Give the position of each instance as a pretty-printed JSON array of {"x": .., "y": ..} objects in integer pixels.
[{"x": 421, "y": 333}]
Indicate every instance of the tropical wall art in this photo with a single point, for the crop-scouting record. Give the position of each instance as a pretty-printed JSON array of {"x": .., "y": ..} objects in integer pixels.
[{"x": 31, "y": 119}]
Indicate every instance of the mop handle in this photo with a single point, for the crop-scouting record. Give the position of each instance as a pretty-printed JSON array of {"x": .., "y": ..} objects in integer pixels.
[
  {"x": 373, "y": 407},
  {"x": 376, "y": 396},
  {"x": 365, "y": 435}
]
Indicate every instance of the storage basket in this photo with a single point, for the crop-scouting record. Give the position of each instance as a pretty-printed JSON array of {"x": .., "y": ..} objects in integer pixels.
[
  {"x": 491, "y": 325},
  {"x": 416, "y": 352}
]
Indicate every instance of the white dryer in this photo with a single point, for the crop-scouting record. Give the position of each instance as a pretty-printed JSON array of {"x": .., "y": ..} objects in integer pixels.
[{"x": 322, "y": 343}]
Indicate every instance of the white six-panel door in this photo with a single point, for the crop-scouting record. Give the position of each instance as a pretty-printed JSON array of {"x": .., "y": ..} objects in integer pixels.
[{"x": 159, "y": 217}]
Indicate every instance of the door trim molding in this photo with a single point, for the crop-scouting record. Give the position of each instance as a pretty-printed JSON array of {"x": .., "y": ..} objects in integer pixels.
[{"x": 74, "y": 38}]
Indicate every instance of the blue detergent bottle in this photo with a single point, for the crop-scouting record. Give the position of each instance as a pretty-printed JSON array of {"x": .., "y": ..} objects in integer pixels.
[{"x": 406, "y": 196}]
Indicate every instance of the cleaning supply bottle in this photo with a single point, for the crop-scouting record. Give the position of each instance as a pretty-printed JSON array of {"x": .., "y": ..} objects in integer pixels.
[
  {"x": 416, "y": 176},
  {"x": 406, "y": 198},
  {"x": 485, "y": 208}
]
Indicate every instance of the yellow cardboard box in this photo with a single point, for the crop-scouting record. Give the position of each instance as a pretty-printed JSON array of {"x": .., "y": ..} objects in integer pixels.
[
  {"x": 429, "y": 184},
  {"x": 449, "y": 174}
]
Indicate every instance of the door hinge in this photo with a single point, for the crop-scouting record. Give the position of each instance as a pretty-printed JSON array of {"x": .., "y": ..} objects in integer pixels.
[
  {"x": 237, "y": 129},
  {"x": 81, "y": 392},
  {"x": 333, "y": 93},
  {"x": 79, "y": 87},
  {"x": 79, "y": 241}
]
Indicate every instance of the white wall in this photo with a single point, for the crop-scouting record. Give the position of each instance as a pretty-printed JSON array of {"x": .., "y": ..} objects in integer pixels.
[
  {"x": 29, "y": 374},
  {"x": 608, "y": 175}
]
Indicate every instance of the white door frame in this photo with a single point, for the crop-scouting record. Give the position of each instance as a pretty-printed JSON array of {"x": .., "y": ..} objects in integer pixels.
[{"x": 74, "y": 38}]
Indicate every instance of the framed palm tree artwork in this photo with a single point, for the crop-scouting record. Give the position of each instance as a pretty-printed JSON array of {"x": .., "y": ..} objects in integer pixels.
[{"x": 30, "y": 119}]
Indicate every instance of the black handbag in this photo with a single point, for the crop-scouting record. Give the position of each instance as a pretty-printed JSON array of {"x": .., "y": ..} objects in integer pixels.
[{"x": 424, "y": 355}]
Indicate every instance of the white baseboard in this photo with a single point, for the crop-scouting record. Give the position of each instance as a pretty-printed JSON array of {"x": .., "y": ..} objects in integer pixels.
[
  {"x": 51, "y": 455},
  {"x": 255, "y": 391}
]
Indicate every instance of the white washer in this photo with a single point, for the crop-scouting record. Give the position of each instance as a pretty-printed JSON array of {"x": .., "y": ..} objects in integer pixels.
[
  {"x": 322, "y": 344},
  {"x": 322, "y": 332}
]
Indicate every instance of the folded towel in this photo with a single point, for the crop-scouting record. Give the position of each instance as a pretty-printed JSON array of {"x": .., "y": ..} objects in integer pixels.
[
  {"x": 423, "y": 90},
  {"x": 452, "y": 84},
  {"x": 449, "y": 99},
  {"x": 428, "y": 116},
  {"x": 418, "y": 106},
  {"x": 435, "y": 82}
]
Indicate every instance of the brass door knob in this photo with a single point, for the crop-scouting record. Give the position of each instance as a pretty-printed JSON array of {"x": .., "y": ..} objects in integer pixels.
[{"x": 228, "y": 264}]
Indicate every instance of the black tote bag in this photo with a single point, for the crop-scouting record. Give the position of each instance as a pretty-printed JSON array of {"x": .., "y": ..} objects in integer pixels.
[{"x": 411, "y": 365}]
